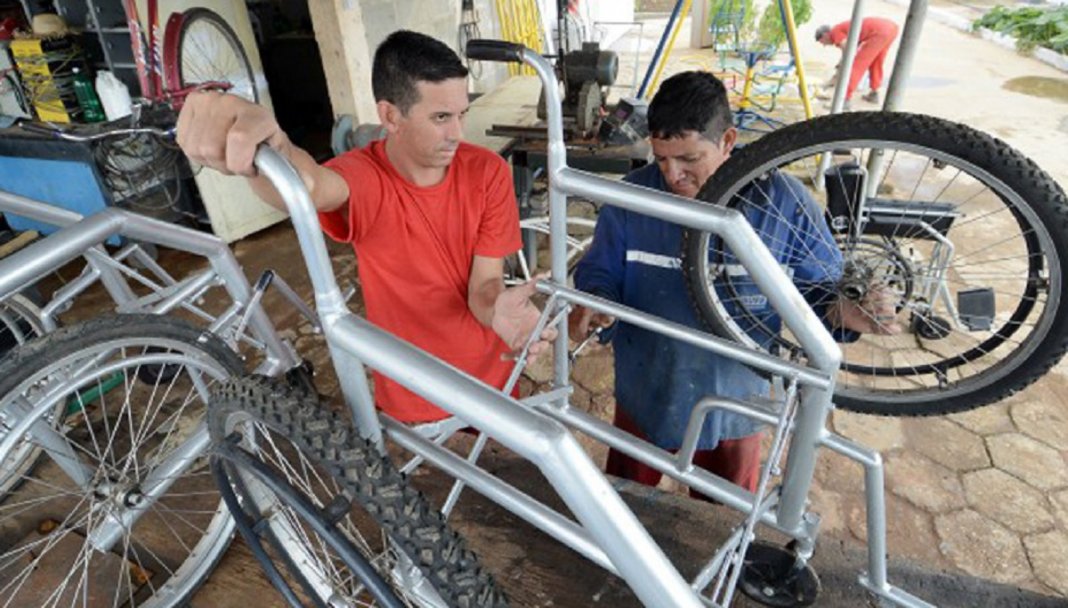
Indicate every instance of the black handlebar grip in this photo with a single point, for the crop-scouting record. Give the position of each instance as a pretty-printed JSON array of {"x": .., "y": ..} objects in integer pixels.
[{"x": 495, "y": 50}]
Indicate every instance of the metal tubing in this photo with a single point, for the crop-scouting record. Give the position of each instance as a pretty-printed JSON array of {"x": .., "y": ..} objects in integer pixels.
[
  {"x": 501, "y": 493},
  {"x": 895, "y": 89},
  {"x": 50, "y": 439},
  {"x": 845, "y": 66},
  {"x": 660, "y": 48},
  {"x": 701, "y": 480},
  {"x": 556, "y": 159},
  {"x": 756, "y": 359},
  {"x": 189, "y": 289},
  {"x": 684, "y": 457},
  {"x": 302, "y": 213},
  {"x": 895, "y": 595},
  {"x": 906, "y": 54},
  {"x": 79, "y": 234},
  {"x": 874, "y": 493},
  {"x": 743, "y": 241},
  {"x": 458, "y": 485},
  {"x": 535, "y": 437},
  {"x": 786, "y": 9},
  {"x": 712, "y": 568},
  {"x": 352, "y": 378},
  {"x": 145, "y": 260},
  {"x": 35, "y": 261},
  {"x": 809, "y": 427},
  {"x": 63, "y": 296},
  {"x": 110, "y": 275},
  {"x": 784, "y": 297},
  {"x": 36, "y": 210}
]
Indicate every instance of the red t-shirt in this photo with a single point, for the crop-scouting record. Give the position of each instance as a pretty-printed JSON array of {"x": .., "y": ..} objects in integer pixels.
[
  {"x": 414, "y": 248},
  {"x": 870, "y": 28}
]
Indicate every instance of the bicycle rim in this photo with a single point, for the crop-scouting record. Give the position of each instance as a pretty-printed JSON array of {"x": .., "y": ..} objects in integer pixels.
[
  {"x": 970, "y": 250},
  {"x": 275, "y": 517},
  {"x": 209, "y": 51},
  {"x": 106, "y": 436}
]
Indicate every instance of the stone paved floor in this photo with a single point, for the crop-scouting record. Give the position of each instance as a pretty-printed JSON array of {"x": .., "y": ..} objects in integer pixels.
[{"x": 983, "y": 492}]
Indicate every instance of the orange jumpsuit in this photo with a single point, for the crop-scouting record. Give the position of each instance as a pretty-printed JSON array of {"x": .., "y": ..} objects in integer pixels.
[{"x": 876, "y": 36}]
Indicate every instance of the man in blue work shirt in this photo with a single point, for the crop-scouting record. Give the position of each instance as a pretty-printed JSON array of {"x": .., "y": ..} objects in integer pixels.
[{"x": 634, "y": 260}]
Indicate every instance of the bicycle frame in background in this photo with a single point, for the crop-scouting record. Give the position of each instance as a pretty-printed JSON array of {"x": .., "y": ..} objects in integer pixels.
[
  {"x": 607, "y": 532},
  {"x": 158, "y": 56}
]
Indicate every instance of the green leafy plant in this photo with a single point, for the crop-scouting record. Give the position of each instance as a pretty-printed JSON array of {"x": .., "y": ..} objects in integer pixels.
[
  {"x": 1046, "y": 27},
  {"x": 771, "y": 30},
  {"x": 730, "y": 21}
]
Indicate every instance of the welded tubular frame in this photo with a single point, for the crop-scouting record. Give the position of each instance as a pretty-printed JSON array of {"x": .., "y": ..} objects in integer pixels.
[
  {"x": 80, "y": 236},
  {"x": 539, "y": 430}
]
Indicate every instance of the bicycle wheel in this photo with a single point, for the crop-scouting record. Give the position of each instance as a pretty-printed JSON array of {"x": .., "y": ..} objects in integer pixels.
[
  {"x": 319, "y": 453},
  {"x": 286, "y": 516},
  {"x": 579, "y": 237},
  {"x": 969, "y": 235},
  {"x": 20, "y": 321},
  {"x": 201, "y": 48},
  {"x": 120, "y": 507}
]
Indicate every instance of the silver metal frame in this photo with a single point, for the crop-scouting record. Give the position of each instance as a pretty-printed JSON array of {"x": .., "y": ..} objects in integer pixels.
[
  {"x": 606, "y": 532},
  {"x": 84, "y": 237},
  {"x": 537, "y": 428}
]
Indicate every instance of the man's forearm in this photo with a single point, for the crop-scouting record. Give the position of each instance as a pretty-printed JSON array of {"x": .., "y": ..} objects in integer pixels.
[
  {"x": 483, "y": 299},
  {"x": 328, "y": 190}
]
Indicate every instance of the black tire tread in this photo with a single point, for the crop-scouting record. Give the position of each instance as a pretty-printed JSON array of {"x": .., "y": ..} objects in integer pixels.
[
  {"x": 28, "y": 358},
  {"x": 1019, "y": 173},
  {"x": 405, "y": 513}
]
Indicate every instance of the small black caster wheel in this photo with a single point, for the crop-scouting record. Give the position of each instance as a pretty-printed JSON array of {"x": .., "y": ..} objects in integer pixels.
[
  {"x": 930, "y": 327},
  {"x": 773, "y": 576}
]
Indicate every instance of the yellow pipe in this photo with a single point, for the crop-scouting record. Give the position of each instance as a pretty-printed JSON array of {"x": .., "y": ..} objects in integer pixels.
[
  {"x": 667, "y": 51},
  {"x": 505, "y": 16},
  {"x": 802, "y": 88},
  {"x": 532, "y": 29},
  {"x": 747, "y": 89}
]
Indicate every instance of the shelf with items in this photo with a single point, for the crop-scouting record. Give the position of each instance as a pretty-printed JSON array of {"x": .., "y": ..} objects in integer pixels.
[
  {"x": 45, "y": 67},
  {"x": 105, "y": 36}
]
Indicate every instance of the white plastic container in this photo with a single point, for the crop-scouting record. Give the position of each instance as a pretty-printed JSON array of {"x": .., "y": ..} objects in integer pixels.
[{"x": 114, "y": 95}]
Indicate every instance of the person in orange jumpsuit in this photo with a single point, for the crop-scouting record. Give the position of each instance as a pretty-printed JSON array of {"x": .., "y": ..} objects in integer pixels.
[{"x": 876, "y": 36}]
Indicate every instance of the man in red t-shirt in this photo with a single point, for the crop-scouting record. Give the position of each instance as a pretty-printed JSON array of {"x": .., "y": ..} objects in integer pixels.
[
  {"x": 876, "y": 36},
  {"x": 431, "y": 218}
]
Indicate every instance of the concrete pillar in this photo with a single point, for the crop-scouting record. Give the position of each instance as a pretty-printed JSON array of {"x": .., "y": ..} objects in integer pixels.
[
  {"x": 700, "y": 37},
  {"x": 342, "y": 36}
]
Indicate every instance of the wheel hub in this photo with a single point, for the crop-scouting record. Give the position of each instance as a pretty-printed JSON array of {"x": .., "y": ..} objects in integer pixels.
[
  {"x": 871, "y": 262},
  {"x": 856, "y": 278}
]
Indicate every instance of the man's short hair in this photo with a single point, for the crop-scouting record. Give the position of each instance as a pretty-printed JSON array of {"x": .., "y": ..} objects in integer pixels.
[
  {"x": 690, "y": 101},
  {"x": 405, "y": 58},
  {"x": 822, "y": 31}
]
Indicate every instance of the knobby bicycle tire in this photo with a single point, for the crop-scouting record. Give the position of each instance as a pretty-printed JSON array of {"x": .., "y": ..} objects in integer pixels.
[
  {"x": 234, "y": 467},
  {"x": 381, "y": 495}
]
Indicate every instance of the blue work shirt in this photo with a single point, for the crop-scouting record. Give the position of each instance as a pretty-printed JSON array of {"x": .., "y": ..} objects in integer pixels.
[{"x": 634, "y": 260}]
